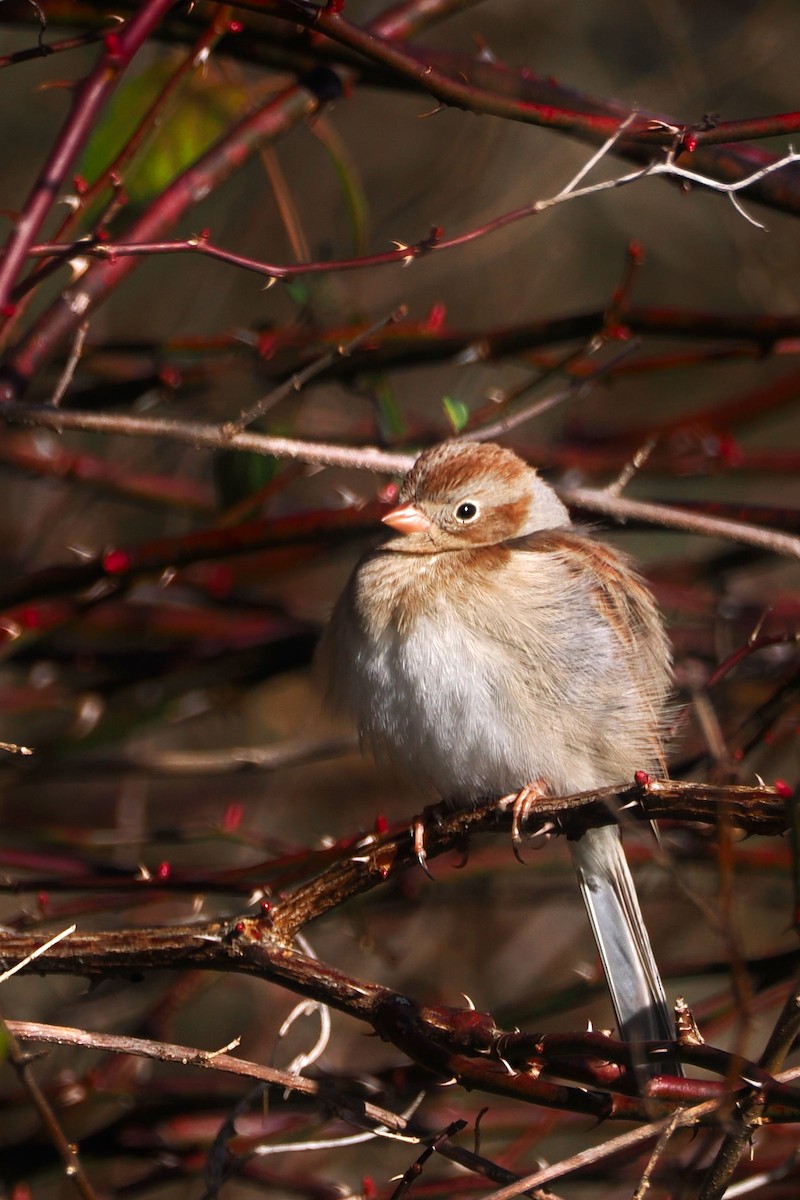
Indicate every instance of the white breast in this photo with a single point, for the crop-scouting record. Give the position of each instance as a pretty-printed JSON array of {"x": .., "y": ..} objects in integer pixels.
[
  {"x": 481, "y": 702},
  {"x": 447, "y": 704}
]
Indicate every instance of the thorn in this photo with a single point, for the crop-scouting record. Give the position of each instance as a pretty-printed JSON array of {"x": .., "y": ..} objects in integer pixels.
[
  {"x": 408, "y": 258},
  {"x": 78, "y": 266}
]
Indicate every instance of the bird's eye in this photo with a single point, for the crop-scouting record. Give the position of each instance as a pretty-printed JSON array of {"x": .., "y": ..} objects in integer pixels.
[{"x": 466, "y": 512}]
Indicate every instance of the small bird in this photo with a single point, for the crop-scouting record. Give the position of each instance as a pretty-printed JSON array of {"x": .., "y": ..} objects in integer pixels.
[{"x": 494, "y": 647}]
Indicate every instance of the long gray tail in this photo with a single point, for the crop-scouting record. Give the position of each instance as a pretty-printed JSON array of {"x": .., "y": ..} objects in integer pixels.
[{"x": 637, "y": 992}]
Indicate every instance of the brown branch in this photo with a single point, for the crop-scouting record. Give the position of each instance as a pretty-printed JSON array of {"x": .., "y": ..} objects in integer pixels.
[
  {"x": 447, "y": 1041},
  {"x": 746, "y": 1117},
  {"x": 349, "y": 1107},
  {"x": 290, "y": 51},
  {"x": 369, "y": 458},
  {"x": 45, "y": 49},
  {"x": 368, "y": 862},
  {"x": 328, "y": 19},
  {"x": 450, "y": 1042},
  {"x": 67, "y": 1152},
  {"x": 33, "y": 455},
  {"x": 665, "y": 515},
  {"x": 247, "y": 946}
]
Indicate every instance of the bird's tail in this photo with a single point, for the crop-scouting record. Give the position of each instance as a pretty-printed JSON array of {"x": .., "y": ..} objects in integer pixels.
[{"x": 637, "y": 992}]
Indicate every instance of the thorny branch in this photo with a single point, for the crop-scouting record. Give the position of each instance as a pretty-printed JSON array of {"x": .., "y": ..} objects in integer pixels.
[
  {"x": 581, "y": 1073},
  {"x": 120, "y": 48},
  {"x": 405, "y": 254},
  {"x": 355, "y": 1111}
]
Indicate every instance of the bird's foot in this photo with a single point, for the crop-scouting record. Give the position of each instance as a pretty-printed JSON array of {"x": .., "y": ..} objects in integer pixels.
[{"x": 521, "y": 803}]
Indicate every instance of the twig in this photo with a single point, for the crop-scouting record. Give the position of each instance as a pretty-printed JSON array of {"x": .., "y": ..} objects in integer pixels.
[
  {"x": 300, "y": 378},
  {"x": 631, "y": 467},
  {"x": 37, "y": 953},
  {"x": 677, "y": 518},
  {"x": 451, "y": 90},
  {"x": 16, "y": 748},
  {"x": 72, "y": 362},
  {"x": 45, "y": 49},
  {"x": 196, "y": 433},
  {"x": 120, "y": 48},
  {"x": 658, "y": 1150},
  {"x": 747, "y": 1115},
  {"x": 405, "y": 253},
  {"x": 306, "y": 1058},
  {"x": 413, "y": 1173},
  {"x": 231, "y": 760},
  {"x": 576, "y": 390},
  {"x": 351, "y": 1108},
  {"x": 67, "y": 1152},
  {"x": 625, "y": 1141}
]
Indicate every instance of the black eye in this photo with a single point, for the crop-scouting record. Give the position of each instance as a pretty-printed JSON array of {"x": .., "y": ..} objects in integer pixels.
[{"x": 466, "y": 512}]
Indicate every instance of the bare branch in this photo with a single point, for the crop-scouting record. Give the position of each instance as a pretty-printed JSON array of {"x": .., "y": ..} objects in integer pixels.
[{"x": 370, "y": 458}]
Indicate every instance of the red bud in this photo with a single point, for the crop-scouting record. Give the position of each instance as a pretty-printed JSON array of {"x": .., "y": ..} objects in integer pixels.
[{"x": 116, "y": 562}]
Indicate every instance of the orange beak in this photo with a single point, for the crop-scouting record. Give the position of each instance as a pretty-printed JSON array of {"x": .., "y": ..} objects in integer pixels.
[{"x": 407, "y": 519}]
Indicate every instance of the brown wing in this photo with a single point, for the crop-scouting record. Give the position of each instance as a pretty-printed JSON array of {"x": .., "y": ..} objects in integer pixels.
[{"x": 626, "y": 605}]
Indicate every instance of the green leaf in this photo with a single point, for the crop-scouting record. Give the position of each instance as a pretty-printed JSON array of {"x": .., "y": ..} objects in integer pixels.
[
  {"x": 456, "y": 412},
  {"x": 391, "y": 423},
  {"x": 298, "y": 291},
  {"x": 188, "y": 124}
]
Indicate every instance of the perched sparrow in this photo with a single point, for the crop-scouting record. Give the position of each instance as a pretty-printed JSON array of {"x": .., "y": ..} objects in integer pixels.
[{"x": 493, "y": 646}]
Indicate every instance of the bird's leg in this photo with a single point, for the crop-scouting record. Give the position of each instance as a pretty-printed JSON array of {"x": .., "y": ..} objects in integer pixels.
[{"x": 520, "y": 807}]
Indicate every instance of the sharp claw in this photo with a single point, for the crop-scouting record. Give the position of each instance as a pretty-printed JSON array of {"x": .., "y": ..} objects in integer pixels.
[
  {"x": 459, "y": 866},
  {"x": 518, "y": 814},
  {"x": 418, "y": 834},
  {"x": 546, "y": 831}
]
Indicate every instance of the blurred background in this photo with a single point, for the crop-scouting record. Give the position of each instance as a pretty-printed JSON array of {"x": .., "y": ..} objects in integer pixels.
[{"x": 166, "y": 693}]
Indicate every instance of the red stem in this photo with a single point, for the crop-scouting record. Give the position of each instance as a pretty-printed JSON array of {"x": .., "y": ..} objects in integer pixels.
[{"x": 89, "y": 99}]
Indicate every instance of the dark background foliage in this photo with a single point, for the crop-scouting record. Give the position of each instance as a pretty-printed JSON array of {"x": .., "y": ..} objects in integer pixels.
[{"x": 160, "y": 600}]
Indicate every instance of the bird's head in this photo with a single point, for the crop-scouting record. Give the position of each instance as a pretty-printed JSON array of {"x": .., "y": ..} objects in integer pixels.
[{"x": 467, "y": 494}]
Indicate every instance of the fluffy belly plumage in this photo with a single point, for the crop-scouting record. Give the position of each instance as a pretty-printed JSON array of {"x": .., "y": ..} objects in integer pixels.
[{"x": 451, "y": 708}]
